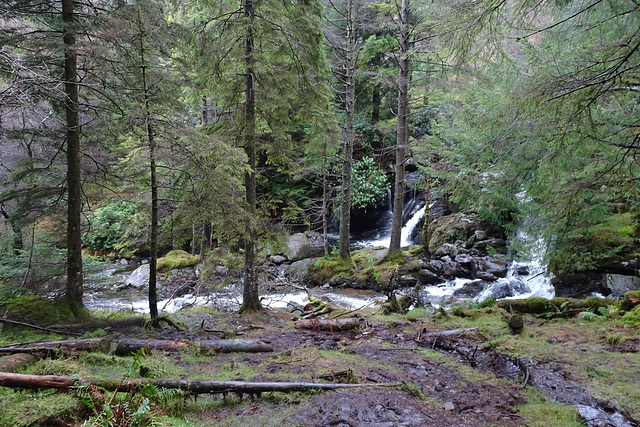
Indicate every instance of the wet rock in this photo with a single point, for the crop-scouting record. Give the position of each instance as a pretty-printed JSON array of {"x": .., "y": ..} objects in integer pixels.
[
  {"x": 578, "y": 285},
  {"x": 123, "y": 262},
  {"x": 446, "y": 249},
  {"x": 508, "y": 288},
  {"x": 277, "y": 259},
  {"x": 300, "y": 270},
  {"x": 480, "y": 235},
  {"x": 470, "y": 289},
  {"x": 450, "y": 228},
  {"x": 407, "y": 280},
  {"x": 492, "y": 266},
  {"x": 499, "y": 245},
  {"x": 435, "y": 266},
  {"x": 222, "y": 270},
  {"x": 485, "y": 275},
  {"x": 619, "y": 284},
  {"x": 522, "y": 270},
  {"x": 298, "y": 247},
  {"x": 464, "y": 259},
  {"x": 139, "y": 278},
  {"x": 427, "y": 277},
  {"x": 453, "y": 269}
]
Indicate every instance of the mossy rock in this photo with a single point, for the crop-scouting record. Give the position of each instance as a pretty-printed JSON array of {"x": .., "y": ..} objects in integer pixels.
[
  {"x": 37, "y": 310},
  {"x": 629, "y": 300},
  {"x": 632, "y": 317},
  {"x": 176, "y": 259}
]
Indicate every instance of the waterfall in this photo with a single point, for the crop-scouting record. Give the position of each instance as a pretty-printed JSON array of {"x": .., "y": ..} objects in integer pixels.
[{"x": 405, "y": 235}]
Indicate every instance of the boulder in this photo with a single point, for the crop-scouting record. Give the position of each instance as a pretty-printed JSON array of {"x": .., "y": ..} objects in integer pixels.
[
  {"x": 470, "y": 289},
  {"x": 619, "y": 284},
  {"x": 304, "y": 245},
  {"x": 427, "y": 277},
  {"x": 298, "y": 247},
  {"x": 446, "y": 249},
  {"x": 277, "y": 259},
  {"x": 451, "y": 228},
  {"x": 301, "y": 270},
  {"x": 139, "y": 278},
  {"x": 435, "y": 265},
  {"x": 492, "y": 266},
  {"x": 407, "y": 281},
  {"x": 453, "y": 269}
]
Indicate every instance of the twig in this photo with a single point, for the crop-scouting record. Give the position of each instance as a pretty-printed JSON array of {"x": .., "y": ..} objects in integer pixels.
[{"x": 352, "y": 311}]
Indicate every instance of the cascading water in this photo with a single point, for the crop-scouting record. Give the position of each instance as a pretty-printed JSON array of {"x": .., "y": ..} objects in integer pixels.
[{"x": 524, "y": 279}]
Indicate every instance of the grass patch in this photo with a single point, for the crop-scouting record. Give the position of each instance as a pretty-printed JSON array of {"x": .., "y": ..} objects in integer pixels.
[
  {"x": 25, "y": 408},
  {"x": 540, "y": 412}
]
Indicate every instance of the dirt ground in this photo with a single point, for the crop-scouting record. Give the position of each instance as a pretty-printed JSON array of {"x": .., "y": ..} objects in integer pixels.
[{"x": 453, "y": 380}]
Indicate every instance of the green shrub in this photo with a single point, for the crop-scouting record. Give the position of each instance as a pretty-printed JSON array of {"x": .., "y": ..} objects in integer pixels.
[
  {"x": 369, "y": 184},
  {"x": 111, "y": 225}
]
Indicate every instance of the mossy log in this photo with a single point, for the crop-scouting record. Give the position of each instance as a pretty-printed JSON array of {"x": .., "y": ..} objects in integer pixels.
[
  {"x": 127, "y": 346},
  {"x": 65, "y": 347},
  {"x": 329, "y": 324},
  {"x": 192, "y": 386},
  {"x": 12, "y": 362}
]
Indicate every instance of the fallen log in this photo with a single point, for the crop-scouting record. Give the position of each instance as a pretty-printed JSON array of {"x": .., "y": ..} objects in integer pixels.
[
  {"x": 65, "y": 347},
  {"x": 193, "y": 386},
  {"x": 41, "y": 328},
  {"x": 329, "y": 324},
  {"x": 12, "y": 362},
  {"x": 127, "y": 346}
]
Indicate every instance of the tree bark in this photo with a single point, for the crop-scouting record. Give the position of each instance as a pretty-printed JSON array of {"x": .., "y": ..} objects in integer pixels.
[
  {"x": 74, "y": 186},
  {"x": 193, "y": 386},
  {"x": 402, "y": 131},
  {"x": 127, "y": 346},
  {"x": 348, "y": 135},
  {"x": 250, "y": 300}
]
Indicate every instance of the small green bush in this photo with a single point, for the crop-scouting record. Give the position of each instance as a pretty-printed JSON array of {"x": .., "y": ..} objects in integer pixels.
[
  {"x": 632, "y": 317},
  {"x": 110, "y": 225}
]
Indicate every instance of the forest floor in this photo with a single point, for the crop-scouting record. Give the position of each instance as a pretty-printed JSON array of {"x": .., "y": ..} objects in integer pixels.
[{"x": 556, "y": 372}]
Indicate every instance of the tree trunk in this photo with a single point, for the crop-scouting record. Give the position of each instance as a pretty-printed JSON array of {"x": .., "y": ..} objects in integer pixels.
[
  {"x": 74, "y": 185},
  {"x": 151, "y": 142},
  {"x": 348, "y": 137},
  {"x": 193, "y": 386},
  {"x": 250, "y": 300},
  {"x": 402, "y": 132},
  {"x": 127, "y": 346}
]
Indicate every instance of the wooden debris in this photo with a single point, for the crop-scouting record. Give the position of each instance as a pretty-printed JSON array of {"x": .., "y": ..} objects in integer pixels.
[
  {"x": 128, "y": 346},
  {"x": 444, "y": 333},
  {"x": 193, "y": 386}
]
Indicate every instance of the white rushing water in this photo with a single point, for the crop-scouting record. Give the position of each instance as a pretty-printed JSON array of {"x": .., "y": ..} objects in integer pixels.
[{"x": 405, "y": 235}]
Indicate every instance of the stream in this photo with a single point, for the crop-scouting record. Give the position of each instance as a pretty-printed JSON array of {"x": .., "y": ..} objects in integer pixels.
[{"x": 524, "y": 279}]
